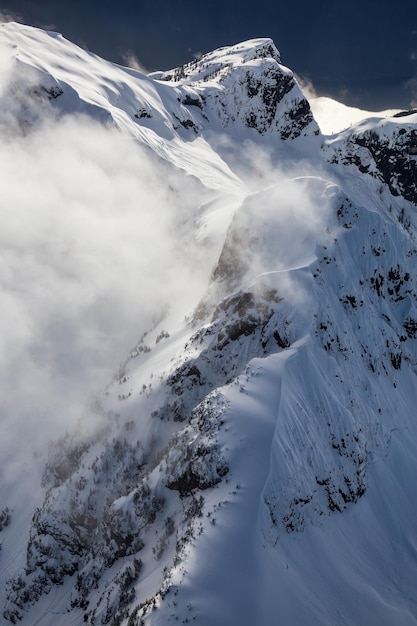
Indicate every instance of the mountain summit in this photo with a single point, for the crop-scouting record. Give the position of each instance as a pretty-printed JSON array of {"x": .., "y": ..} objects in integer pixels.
[
  {"x": 246, "y": 84},
  {"x": 254, "y": 456}
]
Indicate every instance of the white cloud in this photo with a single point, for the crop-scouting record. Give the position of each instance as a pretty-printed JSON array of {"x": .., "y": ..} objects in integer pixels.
[
  {"x": 132, "y": 61},
  {"x": 96, "y": 238},
  {"x": 307, "y": 86},
  {"x": 281, "y": 223},
  {"x": 92, "y": 245},
  {"x": 411, "y": 86}
]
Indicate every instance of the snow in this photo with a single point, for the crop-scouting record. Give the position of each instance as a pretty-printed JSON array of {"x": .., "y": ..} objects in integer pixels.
[
  {"x": 260, "y": 438},
  {"x": 333, "y": 116},
  {"x": 117, "y": 93}
]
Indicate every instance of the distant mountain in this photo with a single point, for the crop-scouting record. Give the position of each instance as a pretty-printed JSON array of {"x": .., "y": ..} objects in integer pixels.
[{"x": 258, "y": 457}]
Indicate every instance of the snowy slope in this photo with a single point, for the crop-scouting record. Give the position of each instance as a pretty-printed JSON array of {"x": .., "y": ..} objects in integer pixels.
[
  {"x": 49, "y": 67},
  {"x": 255, "y": 460},
  {"x": 333, "y": 116}
]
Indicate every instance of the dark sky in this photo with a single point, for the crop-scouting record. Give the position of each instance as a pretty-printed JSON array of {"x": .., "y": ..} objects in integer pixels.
[{"x": 361, "y": 52}]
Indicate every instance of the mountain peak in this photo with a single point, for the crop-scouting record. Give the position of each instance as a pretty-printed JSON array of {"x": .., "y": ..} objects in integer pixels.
[
  {"x": 254, "y": 455},
  {"x": 212, "y": 65},
  {"x": 247, "y": 83}
]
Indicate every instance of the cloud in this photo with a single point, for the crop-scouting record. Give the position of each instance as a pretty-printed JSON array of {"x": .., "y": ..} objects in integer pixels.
[
  {"x": 9, "y": 16},
  {"x": 287, "y": 221},
  {"x": 307, "y": 86},
  {"x": 98, "y": 237},
  {"x": 262, "y": 165},
  {"x": 411, "y": 86},
  {"x": 131, "y": 60},
  {"x": 93, "y": 244},
  {"x": 277, "y": 230}
]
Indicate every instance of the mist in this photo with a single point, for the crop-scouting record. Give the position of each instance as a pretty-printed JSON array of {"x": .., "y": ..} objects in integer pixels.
[
  {"x": 99, "y": 237},
  {"x": 94, "y": 244}
]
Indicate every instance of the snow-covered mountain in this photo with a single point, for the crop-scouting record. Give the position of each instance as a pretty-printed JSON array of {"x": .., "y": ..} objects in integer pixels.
[{"x": 254, "y": 461}]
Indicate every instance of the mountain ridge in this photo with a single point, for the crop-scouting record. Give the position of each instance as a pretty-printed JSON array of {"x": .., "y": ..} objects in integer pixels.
[{"x": 270, "y": 434}]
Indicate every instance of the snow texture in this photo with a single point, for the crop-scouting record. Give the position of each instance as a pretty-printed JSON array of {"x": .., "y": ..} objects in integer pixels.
[{"x": 256, "y": 458}]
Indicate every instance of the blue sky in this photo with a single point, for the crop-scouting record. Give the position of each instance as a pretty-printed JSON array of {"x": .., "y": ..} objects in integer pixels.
[{"x": 363, "y": 53}]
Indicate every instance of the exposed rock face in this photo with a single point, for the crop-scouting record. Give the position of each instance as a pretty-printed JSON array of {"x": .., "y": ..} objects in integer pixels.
[
  {"x": 388, "y": 152},
  {"x": 247, "y": 84}
]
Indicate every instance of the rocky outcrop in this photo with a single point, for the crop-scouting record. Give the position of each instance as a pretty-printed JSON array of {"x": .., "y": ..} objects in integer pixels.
[
  {"x": 246, "y": 84},
  {"x": 387, "y": 152}
]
